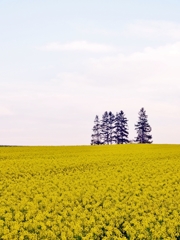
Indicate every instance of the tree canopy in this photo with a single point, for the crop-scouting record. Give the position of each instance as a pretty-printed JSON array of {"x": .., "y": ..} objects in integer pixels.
[
  {"x": 110, "y": 129},
  {"x": 143, "y": 128},
  {"x": 113, "y": 129}
]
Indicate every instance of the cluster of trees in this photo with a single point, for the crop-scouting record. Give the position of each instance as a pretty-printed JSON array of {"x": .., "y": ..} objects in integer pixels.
[{"x": 114, "y": 129}]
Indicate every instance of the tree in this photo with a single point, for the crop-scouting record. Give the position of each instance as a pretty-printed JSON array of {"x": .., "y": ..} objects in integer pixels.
[
  {"x": 105, "y": 128},
  {"x": 111, "y": 120},
  {"x": 143, "y": 128},
  {"x": 96, "y": 136},
  {"x": 121, "y": 128}
]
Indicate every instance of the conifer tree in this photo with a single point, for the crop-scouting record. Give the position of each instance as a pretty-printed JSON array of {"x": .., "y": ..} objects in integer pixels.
[
  {"x": 143, "y": 128},
  {"x": 105, "y": 128},
  {"x": 111, "y": 120},
  {"x": 121, "y": 128},
  {"x": 96, "y": 136}
]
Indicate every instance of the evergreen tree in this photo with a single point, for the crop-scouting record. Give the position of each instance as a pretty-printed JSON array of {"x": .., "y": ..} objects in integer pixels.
[
  {"x": 105, "y": 128},
  {"x": 121, "y": 128},
  {"x": 143, "y": 128},
  {"x": 96, "y": 136},
  {"x": 111, "y": 120}
]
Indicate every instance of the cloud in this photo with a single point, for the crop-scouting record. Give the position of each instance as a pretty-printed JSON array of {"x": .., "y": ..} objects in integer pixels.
[
  {"x": 157, "y": 67},
  {"x": 5, "y": 111},
  {"x": 68, "y": 77},
  {"x": 154, "y": 29},
  {"x": 77, "y": 46},
  {"x": 62, "y": 110}
]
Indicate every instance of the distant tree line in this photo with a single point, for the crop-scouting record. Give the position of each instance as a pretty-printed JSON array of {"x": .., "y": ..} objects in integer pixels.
[{"x": 113, "y": 129}]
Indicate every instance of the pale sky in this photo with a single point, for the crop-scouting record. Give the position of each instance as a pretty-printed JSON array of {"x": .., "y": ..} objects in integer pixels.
[{"x": 63, "y": 62}]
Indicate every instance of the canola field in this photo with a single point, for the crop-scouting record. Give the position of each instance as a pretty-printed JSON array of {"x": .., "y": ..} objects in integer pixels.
[{"x": 90, "y": 192}]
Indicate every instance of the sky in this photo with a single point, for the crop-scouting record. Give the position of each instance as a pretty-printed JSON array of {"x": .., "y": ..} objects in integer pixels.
[{"x": 64, "y": 62}]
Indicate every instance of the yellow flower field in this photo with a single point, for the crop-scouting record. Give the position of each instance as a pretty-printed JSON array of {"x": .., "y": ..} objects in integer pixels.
[{"x": 90, "y": 192}]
